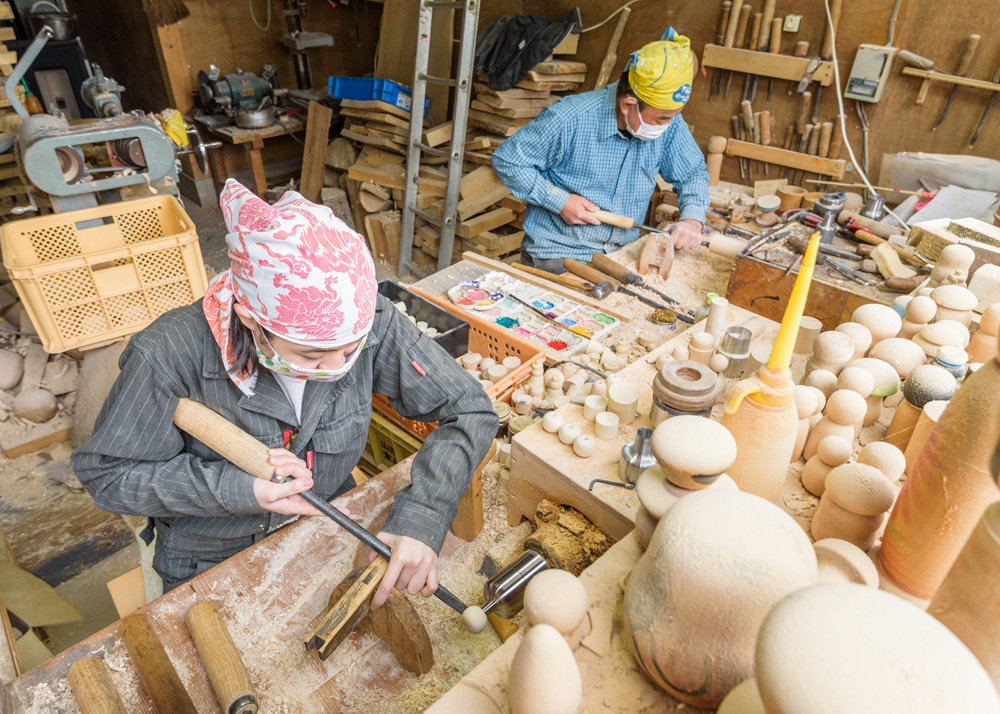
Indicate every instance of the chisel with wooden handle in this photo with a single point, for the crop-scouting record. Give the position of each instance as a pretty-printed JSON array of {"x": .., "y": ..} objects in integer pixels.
[
  {"x": 613, "y": 219},
  {"x": 964, "y": 62},
  {"x": 238, "y": 447},
  {"x": 588, "y": 272},
  {"x": 223, "y": 664},
  {"x": 620, "y": 272},
  {"x": 829, "y": 37}
]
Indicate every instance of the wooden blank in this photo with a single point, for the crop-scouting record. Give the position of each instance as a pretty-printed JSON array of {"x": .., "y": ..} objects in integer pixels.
[
  {"x": 475, "y": 181},
  {"x": 484, "y": 222},
  {"x": 352, "y": 606},
  {"x": 480, "y": 201},
  {"x": 469, "y": 520},
  {"x": 223, "y": 664},
  {"x": 834, "y": 168},
  {"x": 374, "y": 105},
  {"x": 314, "y": 151},
  {"x": 92, "y": 687},
  {"x": 157, "y": 673},
  {"x": 765, "y": 64}
]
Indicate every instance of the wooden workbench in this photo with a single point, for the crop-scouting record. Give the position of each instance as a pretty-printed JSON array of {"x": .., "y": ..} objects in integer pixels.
[
  {"x": 544, "y": 467},
  {"x": 612, "y": 681},
  {"x": 271, "y": 595}
]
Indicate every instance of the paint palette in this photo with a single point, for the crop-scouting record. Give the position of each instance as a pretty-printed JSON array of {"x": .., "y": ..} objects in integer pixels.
[{"x": 490, "y": 298}]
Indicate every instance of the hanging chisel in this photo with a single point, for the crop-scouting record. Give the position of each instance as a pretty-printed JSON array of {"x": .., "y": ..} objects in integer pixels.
[
  {"x": 801, "y": 50},
  {"x": 774, "y": 48},
  {"x": 765, "y": 135},
  {"x": 964, "y": 62},
  {"x": 746, "y": 111},
  {"x": 736, "y": 135},
  {"x": 750, "y": 79},
  {"x": 986, "y": 113},
  {"x": 720, "y": 38},
  {"x": 829, "y": 37},
  {"x": 743, "y": 23},
  {"x": 730, "y": 40}
]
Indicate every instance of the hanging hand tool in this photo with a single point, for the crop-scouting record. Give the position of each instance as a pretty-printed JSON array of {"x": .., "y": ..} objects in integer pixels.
[
  {"x": 986, "y": 113},
  {"x": 746, "y": 111},
  {"x": 753, "y": 46},
  {"x": 575, "y": 329},
  {"x": 765, "y": 134},
  {"x": 736, "y": 135},
  {"x": 730, "y": 40},
  {"x": 787, "y": 146},
  {"x": 801, "y": 50},
  {"x": 589, "y": 272},
  {"x": 244, "y": 451},
  {"x": 597, "y": 291},
  {"x": 829, "y": 37},
  {"x": 741, "y": 34},
  {"x": 774, "y": 48},
  {"x": 964, "y": 62},
  {"x": 720, "y": 38},
  {"x": 916, "y": 60}
]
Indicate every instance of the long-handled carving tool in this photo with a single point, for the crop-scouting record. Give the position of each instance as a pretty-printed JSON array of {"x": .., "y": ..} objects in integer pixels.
[
  {"x": 593, "y": 274},
  {"x": 964, "y": 62},
  {"x": 720, "y": 39},
  {"x": 829, "y": 37},
  {"x": 743, "y": 22},
  {"x": 986, "y": 113}
]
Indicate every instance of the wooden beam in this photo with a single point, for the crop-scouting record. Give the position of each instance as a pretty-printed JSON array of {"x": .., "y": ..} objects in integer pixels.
[
  {"x": 932, "y": 76},
  {"x": 485, "y": 222},
  {"x": 314, "y": 150},
  {"x": 834, "y": 168},
  {"x": 765, "y": 64},
  {"x": 482, "y": 200}
]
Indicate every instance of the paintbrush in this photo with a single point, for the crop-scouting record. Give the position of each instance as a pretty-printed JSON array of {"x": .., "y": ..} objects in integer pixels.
[{"x": 575, "y": 329}]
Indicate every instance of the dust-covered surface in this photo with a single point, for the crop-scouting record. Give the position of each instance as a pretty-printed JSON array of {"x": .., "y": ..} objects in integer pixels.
[{"x": 272, "y": 597}]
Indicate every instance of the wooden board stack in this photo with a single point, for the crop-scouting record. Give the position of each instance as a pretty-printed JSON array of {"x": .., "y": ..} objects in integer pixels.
[
  {"x": 12, "y": 189},
  {"x": 376, "y": 123}
]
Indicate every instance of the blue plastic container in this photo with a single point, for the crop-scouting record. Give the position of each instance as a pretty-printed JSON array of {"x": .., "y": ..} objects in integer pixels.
[{"x": 366, "y": 88}]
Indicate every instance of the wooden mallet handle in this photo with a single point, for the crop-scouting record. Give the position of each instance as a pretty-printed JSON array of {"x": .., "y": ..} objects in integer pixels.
[
  {"x": 825, "y": 136},
  {"x": 221, "y": 435},
  {"x": 165, "y": 689},
  {"x": 222, "y": 661},
  {"x": 755, "y": 24},
  {"x": 92, "y": 687},
  {"x": 584, "y": 271},
  {"x": 767, "y": 25},
  {"x": 615, "y": 270}
]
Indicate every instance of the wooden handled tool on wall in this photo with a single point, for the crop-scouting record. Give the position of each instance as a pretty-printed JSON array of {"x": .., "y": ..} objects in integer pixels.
[
  {"x": 222, "y": 661},
  {"x": 92, "y": 687},
  {"x": 158, "y": 675},
  {"x": 238, "y": 447},
  {"x": 964, "y": 62}
]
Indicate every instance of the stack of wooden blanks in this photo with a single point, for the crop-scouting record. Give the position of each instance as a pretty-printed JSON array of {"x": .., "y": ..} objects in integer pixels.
[
  {"x": 554, "y": 75},
  {"x": 13, "y": 191},
  {"x": 376, "y": 123}
]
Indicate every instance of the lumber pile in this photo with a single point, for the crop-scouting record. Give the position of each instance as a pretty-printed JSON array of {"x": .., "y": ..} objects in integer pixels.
[{"x": 376, "y": 123}]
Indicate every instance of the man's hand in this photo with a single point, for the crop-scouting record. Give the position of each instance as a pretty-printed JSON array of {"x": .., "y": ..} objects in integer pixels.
[
  {"x": 686, "y": 234},
  {"x": 413, "y": 568},
  {"x": 576, "y": 211},
  {"x": 283, "y": 497}
]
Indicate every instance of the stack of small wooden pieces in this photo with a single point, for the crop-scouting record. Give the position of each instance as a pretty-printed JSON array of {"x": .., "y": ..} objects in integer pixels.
[
  {"x": 376, "y": 123},
  {"x": 13, "y": 191}
]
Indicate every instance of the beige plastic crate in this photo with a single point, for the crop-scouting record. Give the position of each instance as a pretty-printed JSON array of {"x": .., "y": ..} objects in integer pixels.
[{"x": 90, "y": 276}]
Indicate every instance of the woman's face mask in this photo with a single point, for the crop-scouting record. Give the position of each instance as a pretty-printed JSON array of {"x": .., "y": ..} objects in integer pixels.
[{"x": 280, "y": 365}]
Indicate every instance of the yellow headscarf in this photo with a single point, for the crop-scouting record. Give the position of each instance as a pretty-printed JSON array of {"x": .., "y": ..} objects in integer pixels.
[{"x": 660, "y": 73}]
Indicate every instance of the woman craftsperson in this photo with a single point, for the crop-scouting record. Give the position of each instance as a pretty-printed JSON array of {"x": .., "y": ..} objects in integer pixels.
[{"x": 293, "y": 338}]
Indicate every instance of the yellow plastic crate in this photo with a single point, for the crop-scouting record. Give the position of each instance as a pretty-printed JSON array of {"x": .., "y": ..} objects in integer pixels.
[
  {"x": 90, "y": 276},
  {"x": 388, "y": 444}
]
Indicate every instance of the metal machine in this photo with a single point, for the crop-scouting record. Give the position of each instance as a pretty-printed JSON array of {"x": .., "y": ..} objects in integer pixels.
[
  {"x": 102, "y": 94},
  {"x": 243, "y": 96},
  {"x": 73, "y": 164},
  {"x": 300, "y": 42}
]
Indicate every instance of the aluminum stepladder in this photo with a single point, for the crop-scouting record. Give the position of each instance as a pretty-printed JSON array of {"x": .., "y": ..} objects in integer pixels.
[{"x": 455, "y": 153}]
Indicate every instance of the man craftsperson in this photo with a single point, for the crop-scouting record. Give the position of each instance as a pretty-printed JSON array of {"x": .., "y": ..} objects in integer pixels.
[{"x": 603, "y": 150}]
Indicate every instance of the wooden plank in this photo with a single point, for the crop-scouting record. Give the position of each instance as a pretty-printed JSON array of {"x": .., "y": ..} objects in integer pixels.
[
  {"x": 173, "y": 67},
  {"x": 514, "y": 204},
  {"x": 834, "y": 168},
  {"x": 374, "y": 105},
  {"x": 478, "y": 202},
  {"x": 501, "y": 103},
  {"x": 528, "y": 112},
  {"x": 475, "y": 181},
  {"x": 7, "y": 34},
  {"x": 766, "y": 64},
  {"x": 567, "y": 46},
  {"x": 372, "y": 140},
  {"x": 32, "y": 600},
  {"x": 512, "y": 93},
  {"x": 314, "y": 150},
  {"x": 376, "y": 237},
  {"x": 950, "y": 79},
  {"x": 560, "y": 67},
  {"x": 485, "y": 222},
  {"x": 387, "y": 175},
  {"x": 494, "y": 123},
  {"x": 497, "y": 243},
  {"x": 6, "y": 13},
  {"x": 128, "y": 592},
  {"x": 547, "y": 86},
  {"x": 383, "y": 117},
  {"x": 437, "y": 135},
  {"x": 578, "y": 78}
]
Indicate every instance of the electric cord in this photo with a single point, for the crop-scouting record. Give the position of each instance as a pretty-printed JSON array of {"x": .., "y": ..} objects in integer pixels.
[
  {"x": 843, "y": 118},
  {"x": 253, "y": 17},
  {"x": 892, "y": 22},
  {"x": 605, "y": 20}
]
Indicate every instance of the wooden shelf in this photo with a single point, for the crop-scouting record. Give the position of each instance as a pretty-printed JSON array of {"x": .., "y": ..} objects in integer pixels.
[
  {"x": 834, "y": 168},
  {"x": 931, "y": 76},
  {"x": 765, "y": 64}
]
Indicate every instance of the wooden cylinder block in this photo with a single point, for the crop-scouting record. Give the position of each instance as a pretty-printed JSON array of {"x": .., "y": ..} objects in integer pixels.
[
  {"x": 165, "y": 689},
  {"x": 225, "y": 668},
  {"x": 92, "y": 687}
]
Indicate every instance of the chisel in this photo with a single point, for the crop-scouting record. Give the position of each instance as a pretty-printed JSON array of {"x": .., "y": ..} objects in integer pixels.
[
  {"x": 736, "y": 135},
  {"x": 743, "y": 22},
  {"x": 774, "y": 47},
  {"x": 964, "y": 62},
  {"x": 836, "y": 7},
  {"x": 801, "y": 50},
  {"x": 589, "y": 272},
  {"x": 753, "y": 46},
  {"x": 720, "y": 39},
  {"x": 986, "y": 113}
]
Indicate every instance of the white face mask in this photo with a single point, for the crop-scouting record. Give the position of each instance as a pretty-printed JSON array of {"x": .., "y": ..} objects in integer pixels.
[{"x": 645, "y": 132}]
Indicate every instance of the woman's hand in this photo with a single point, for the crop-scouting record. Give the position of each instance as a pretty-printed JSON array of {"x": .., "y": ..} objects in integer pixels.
[
  {"x": 283, "y": 497},
  {"x": 413, "y": 568}
]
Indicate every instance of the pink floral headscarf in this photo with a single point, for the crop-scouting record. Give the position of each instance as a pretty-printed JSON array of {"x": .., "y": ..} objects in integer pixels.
[{"x": 300, "y": 271}]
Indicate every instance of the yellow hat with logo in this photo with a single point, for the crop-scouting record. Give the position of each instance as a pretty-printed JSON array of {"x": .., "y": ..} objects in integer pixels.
[{"x": 660, "y": 73}]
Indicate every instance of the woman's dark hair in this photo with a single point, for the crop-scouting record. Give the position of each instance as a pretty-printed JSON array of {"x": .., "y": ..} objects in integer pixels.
[{"x": 244, "y": 349}]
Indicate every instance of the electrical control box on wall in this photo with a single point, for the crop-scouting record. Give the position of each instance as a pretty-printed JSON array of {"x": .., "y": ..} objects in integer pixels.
[{"x": 870, "y": 72}]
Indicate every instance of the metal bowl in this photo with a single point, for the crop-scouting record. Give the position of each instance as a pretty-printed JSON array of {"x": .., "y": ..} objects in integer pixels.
[
  {"x": 254, "y": 118},
  {"x": 63, "y": 24}
]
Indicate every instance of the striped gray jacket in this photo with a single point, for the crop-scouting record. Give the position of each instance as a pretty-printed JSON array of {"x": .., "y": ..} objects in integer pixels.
[{"x": 139, "y": 463}]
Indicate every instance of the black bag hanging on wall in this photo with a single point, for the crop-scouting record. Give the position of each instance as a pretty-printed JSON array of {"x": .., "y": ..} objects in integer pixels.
[{"x": 508, "y": 48}]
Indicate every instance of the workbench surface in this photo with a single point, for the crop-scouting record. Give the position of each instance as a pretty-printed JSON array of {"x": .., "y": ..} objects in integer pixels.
[{"x": 272, "y": 595}]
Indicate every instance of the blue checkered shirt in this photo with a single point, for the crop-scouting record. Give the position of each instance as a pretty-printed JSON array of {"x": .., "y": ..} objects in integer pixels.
[{"x": 575, "y": 146}]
